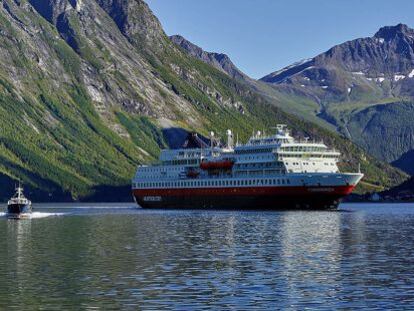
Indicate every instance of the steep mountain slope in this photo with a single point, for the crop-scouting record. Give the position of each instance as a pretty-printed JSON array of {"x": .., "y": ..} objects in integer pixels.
[
  {"x": 218, "y": 60},
  {"x": 364, "y": 87},
  {"x": 90, "y": 89},
  {"x": 300, "y": 106}
]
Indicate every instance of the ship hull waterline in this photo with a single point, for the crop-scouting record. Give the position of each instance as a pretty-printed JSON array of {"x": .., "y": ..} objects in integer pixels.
[
  {"x": 264, "y": 198},
  {"x": 19, "y": 211}
]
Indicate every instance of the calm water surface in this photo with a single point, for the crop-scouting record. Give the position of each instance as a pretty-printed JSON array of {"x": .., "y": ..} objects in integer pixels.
[{"x": 105, "y": 257}]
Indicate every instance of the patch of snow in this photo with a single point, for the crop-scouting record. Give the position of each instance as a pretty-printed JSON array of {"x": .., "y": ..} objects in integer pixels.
[
  {"x": 323, "y": 80},
  {"x": 349, "y": 90},
  {"x": 306, "y": 78},
  {"x": 398, "y": 77},
  {"x": 380, "y": 79},
  {"x": 369, "y": 79},
  {"x": 302, "y": 85},
  {"x": 301, "y": 62},
  {"x": 411, "y": 74},
  {"x": 324, "y": 86},
  {"x": 358, "y": 73},
  {"x": 380, "y": 40}
]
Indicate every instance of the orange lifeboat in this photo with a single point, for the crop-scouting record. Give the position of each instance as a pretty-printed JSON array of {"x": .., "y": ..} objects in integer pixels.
[{"x": 217, "y": 165}]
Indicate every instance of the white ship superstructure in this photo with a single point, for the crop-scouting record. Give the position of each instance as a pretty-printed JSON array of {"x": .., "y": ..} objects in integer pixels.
[{"x": 273, "y": 171}]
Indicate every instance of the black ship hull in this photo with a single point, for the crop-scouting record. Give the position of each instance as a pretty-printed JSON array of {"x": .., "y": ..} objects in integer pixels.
[
  {"x": 18, "y": 210},
  {"x": 239, "y": 203}
]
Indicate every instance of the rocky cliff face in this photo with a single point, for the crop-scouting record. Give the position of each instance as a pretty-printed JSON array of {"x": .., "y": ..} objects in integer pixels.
[{"x": 90, "y": 89}]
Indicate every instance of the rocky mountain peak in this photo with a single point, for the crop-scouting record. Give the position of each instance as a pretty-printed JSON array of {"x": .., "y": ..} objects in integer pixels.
[
  {"x": 218, "y": 60},
  {"x": 135, "y": 20},
  {"x": 391, "y": 32},
  {"x": 190, "y": 47}
]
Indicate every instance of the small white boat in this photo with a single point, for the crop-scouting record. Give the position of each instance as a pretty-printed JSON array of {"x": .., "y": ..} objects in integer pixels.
[{"x": 19, "y": 206}]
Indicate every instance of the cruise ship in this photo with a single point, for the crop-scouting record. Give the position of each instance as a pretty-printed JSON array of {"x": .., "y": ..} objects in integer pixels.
[{"x": 268, "y": 172}]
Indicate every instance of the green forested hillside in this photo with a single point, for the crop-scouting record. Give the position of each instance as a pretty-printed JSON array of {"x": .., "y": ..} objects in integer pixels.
[{"x": 89, "y": 89}]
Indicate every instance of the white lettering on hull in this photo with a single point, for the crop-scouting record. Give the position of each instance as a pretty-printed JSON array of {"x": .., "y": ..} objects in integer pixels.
[{"x": 152, "y": 199}]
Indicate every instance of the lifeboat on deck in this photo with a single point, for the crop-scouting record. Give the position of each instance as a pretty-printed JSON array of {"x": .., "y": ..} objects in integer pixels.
[{"x": 224, "y": 164}]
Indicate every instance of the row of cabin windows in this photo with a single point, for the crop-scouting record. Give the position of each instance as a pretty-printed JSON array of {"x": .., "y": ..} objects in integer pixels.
[
  {"x": 157, "y": 170},
  {"x": 267, "y": 164},
  {"x": 307, "y": 156},
  {"x": 181, "y": 162},
  {"x": 303, "y": 149},
  {"x": 307, "y": 163},
  {"x": 207, "y": 183},
  {"x": 241, "y": 151}
]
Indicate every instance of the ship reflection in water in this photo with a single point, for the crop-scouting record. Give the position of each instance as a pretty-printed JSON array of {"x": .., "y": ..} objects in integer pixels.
[{"x": 358, "y": 257}]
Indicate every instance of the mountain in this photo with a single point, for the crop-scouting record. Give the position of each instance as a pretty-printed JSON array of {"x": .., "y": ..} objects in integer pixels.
[
  {"x": 403, "y": 191},
  {"x": 364, "y": 88},
  {"x": 405, "y": 162},
  {"x": 288, "y": 102},
  {"x": 218, "y": 60},
  {"x": 91, "y": 89}
]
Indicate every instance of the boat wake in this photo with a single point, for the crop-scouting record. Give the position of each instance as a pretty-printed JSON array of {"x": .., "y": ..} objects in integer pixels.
[
  {"x": 37, "y": 215},
  {"x": 44, "y": 214}
]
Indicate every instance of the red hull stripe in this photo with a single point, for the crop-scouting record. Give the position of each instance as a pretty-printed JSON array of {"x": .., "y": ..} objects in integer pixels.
[{"x": 248, "y": 191}]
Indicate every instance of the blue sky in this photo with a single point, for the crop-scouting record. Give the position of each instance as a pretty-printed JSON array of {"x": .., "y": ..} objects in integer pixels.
[{"x": 261, "y": 36}]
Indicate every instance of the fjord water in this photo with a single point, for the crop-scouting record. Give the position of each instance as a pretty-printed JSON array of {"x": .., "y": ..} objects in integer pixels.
[{"x": 120, "y": 257}]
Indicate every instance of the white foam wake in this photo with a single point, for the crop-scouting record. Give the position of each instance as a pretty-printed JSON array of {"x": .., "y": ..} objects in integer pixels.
[
  {"x": 36, "y": 215},
  {"x": 44, "y": 214}
]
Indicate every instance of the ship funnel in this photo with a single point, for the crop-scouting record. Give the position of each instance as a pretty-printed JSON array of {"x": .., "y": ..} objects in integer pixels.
[
  {"x": 229, "y": 139},
  {"x": 211, "y": 139}
]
